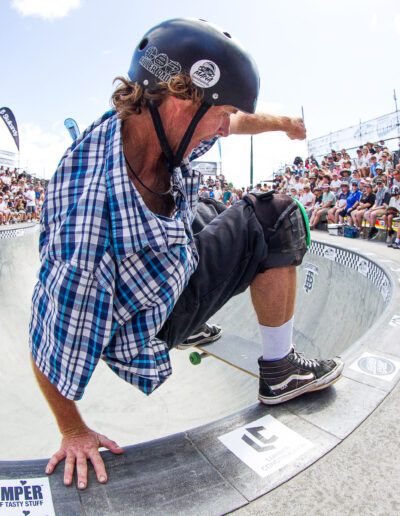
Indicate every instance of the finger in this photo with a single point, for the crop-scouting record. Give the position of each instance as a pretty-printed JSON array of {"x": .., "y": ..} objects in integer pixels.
[
  {"x": 81, "y": 469},
  {"x": 54, "y": 460},
  {"x": 69, "y": 469},
  {"x": 98, "y": 465},
  {"x": 110, "y": 445}
]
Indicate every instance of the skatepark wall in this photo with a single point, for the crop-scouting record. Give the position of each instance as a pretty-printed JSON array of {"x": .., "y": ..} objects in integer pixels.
[{"x": 340, "y": 295}]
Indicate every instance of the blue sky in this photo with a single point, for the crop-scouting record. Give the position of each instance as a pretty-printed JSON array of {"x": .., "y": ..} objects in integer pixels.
[{"x": 335, "y": 58}]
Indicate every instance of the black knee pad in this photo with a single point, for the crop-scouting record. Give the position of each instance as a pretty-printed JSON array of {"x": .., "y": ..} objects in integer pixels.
[{"x": 284, "y": 225}]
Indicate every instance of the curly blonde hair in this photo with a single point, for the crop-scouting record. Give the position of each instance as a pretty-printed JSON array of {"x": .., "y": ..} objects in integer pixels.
[{"x": 130, "y": 98}]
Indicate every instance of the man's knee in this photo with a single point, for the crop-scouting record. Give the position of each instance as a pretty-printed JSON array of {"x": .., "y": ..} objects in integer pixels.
[{"x": 284, "y": 227}]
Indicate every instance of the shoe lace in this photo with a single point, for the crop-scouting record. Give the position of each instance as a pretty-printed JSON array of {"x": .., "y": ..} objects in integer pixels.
[{"x": 308, "y": 362}]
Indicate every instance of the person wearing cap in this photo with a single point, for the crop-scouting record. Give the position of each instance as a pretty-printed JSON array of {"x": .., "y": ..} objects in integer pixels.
[
  {"x": 379, "y": 174},
  {"x": 345, "y": 174},
  {"x": 123, "y": 276},
  {"x": 307, "y": 197},
  {"x": 30, "y": 198},
  {"x": 341, "y": 201},
  {"x": 396, "y": 177},
  {"x": 366, "y": 202},
  {"x": 379, "y": 208},
  {"x": 328, "y": 201},
  {"x": 351, "y": 203},
  {"x": 335, "y": 182}
]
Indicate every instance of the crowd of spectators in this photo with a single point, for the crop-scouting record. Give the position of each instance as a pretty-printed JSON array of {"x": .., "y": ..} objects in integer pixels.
[
  {"x": 21, "y": 196},
  {"x": 354, "y": 191}
]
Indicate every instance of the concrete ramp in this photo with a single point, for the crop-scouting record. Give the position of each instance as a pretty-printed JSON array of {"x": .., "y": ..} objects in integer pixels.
[{"x": 343, "y": 301}]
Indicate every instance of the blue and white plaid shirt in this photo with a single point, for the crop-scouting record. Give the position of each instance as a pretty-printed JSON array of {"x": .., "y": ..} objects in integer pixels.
[{"x": 111, "y": 270}]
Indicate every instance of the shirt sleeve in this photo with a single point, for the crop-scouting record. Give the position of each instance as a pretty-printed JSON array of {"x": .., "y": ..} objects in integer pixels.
[{"x": 70, "y": 326}]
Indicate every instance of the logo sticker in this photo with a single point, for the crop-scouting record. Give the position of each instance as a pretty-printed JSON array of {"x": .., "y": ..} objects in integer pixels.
[
  {"x": 205, "y": 73},
  {"x": 159, "y": 64},
  {"x": 311, "y": 271}
]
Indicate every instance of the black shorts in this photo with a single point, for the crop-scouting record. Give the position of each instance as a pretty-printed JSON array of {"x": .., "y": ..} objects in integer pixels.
[{"x": 232, "y": 248}]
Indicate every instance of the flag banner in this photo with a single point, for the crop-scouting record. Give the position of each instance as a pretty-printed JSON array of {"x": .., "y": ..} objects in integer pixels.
[
  {"x": 72, "y": 128},
  {"x": 9, "y": 119},
  {"x": 384, "y": 127}
]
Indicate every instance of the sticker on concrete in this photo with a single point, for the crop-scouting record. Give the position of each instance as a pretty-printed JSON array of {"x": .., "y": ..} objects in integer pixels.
[
  {"x": 395, "y": 321},
  {"x": 19, "y": 232},
  {"x": 265, "y": 445},
  {"x": 363, "y": 266},
  {"x": 311, "y": 272},
  {"x": 385, "y": 288},
  {"x": 376, "y": 366},
  {"x": 330, "y": 253},
  {"x": 29, "y": 497}
]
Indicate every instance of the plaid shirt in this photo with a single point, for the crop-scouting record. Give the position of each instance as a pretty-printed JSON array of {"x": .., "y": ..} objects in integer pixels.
[{"x": 111, "y": 270}]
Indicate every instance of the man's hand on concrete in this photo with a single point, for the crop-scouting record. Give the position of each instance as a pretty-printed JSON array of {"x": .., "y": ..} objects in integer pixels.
[{"x": 77, "y": 449}]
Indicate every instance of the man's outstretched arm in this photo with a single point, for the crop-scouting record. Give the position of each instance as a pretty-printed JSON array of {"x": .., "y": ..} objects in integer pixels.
[
  {"x": 242, "y": 123},
  {"x": 79, "y": 443}
]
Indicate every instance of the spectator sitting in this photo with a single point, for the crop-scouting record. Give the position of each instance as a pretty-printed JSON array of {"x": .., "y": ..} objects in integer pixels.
[
  {"x": 379, "y": 173},
  {"x": 345, "y": 173},
  {"x": 4, "y": 211},
  {"x": 335, "y": 183},
  {"x": 396, "y": 177},
  {"x": 379, "y": 208},
  {"x": 367, "y": 200},
  {"x": 351, "y": 203},
  {"x": 341, "y": 201},
  {"x": 307, "y": 197},
  {"x": 328, "y": 201},
  {"x": 392, "y": 212}
]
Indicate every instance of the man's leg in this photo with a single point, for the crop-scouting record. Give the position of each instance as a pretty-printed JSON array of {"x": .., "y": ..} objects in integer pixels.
[{"x": 278, "y": 307}]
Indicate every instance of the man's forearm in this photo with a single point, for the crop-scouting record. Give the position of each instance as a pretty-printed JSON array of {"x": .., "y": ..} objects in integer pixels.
[
  {"x": 242, "y": 123},
  {"x": 65, "y": 411}
]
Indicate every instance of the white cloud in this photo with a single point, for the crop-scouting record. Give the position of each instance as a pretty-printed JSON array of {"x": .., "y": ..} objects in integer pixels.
[
  {"x": 46, "y": 9},
  {"x": 41, "y": 151}
]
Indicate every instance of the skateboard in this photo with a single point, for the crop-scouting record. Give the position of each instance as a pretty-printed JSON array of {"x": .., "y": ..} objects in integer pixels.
[{"x": 234, "y": 351}]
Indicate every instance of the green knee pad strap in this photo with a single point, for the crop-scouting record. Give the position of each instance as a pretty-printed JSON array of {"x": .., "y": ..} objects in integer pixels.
[{"x": 307, "y": 225}]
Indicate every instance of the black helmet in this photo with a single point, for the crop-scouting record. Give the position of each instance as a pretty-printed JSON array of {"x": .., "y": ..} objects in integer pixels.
[{"x": 215, "y": 61}]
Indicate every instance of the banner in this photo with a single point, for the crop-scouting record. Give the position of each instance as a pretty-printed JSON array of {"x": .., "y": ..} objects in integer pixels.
[
  {"x": 72, "y": 128},
  {"x": 207, "y": 168},
  {"x": 382, "y": 128},
  {"x": 9, "y": 119}
]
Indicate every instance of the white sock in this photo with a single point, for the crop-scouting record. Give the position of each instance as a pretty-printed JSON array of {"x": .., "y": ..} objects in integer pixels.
[
  {"x": 277, "y": 341},
  {"x": 397, "y": 240}
]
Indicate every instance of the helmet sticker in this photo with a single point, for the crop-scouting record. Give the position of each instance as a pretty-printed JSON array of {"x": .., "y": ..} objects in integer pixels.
[
  {"x": 159, "y": 64},
  {"x": 205, "y": 73}
]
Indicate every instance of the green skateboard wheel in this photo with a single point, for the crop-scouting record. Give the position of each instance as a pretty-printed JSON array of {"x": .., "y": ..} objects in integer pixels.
[{"x": 195, "y": 358}]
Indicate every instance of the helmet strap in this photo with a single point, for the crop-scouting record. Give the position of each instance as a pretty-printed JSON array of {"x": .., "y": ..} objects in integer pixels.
[{"x": 175, "y": 161}]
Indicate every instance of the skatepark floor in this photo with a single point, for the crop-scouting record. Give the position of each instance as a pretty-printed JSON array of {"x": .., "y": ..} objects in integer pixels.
[{"x": 361, "y": 475}]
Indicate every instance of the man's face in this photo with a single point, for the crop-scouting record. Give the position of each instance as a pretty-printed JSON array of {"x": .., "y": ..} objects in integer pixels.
[{"x": 216, "y": 122}]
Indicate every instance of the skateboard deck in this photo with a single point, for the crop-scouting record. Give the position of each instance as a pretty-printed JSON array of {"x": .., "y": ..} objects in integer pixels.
[{"x": 232, "y": 350}]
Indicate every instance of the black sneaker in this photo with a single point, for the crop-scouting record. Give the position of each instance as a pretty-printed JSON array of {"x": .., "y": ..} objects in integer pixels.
[
  {"x": 373, "y": 233},
  {"x": 206, "y": 333},
  {"x": 282, "y": 380}
]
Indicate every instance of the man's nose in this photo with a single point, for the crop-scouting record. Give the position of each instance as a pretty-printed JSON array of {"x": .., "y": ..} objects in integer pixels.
[{"x": 224, "y": 127}]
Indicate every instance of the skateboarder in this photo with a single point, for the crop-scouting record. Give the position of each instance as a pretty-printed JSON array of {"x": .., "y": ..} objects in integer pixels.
[{"x": 123, "y": 277}]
